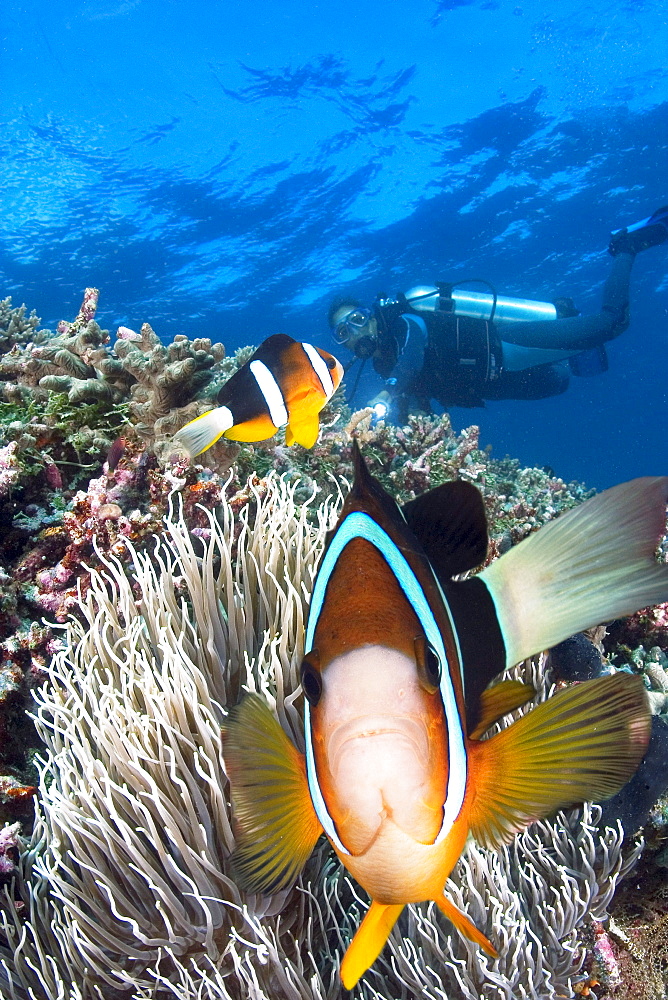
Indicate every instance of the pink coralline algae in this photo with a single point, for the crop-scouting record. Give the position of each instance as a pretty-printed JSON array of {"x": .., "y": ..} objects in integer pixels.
[
  {"x": 605, "y": 958},
  {"x": 124, "y": 505},
  {"x": 84, "y": 316},
  {"x": 648, "y": 627},
  {"x": 9, "y": 848},
  {"x": 10, "y": 469}
]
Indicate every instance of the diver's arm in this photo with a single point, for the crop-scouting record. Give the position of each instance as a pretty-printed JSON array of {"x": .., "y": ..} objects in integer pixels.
[{"x": 579, "y": 333}]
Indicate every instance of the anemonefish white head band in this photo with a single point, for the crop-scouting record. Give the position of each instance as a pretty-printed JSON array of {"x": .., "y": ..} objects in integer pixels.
[{"x": 320, "y": 368}]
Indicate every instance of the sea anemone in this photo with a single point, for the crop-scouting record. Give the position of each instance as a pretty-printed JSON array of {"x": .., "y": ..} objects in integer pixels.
[{"x": 124, "y": 889}]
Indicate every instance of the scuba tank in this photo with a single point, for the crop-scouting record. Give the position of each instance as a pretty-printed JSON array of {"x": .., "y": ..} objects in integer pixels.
[{"x": 478, "y": 305}]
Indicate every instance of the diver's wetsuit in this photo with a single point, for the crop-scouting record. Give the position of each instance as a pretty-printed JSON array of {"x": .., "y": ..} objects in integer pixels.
[{"x": 460, "y": 361}]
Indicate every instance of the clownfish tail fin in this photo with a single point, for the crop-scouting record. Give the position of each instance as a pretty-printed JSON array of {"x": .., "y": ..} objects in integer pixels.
[
  {"x": 205, "y": 430},
  {"x": 590, "y": 565}
]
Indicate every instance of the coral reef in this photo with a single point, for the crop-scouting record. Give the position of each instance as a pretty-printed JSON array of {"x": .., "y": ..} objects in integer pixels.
[
  {"x": 74, "y": 525},
  {"x": 125, "y": 885},
  {"x": 66, "y": 396}
]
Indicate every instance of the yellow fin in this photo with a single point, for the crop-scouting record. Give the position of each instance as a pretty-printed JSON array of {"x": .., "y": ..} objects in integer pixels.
[
  {"x": 276, "y": 824},
  {"x": 583, "y": 743},
  {"x": 590, "y": 565},
  {"x": 497, "y": 701},
  {"x": 303, "y": 432},
  {"x": 369, "y": 941},
  {"x": 465, "y": 927}
]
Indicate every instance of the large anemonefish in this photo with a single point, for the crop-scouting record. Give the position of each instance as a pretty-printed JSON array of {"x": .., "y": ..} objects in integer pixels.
[
  {"x": 284, "y": 382},
  {"x": 399, "y": 656}
]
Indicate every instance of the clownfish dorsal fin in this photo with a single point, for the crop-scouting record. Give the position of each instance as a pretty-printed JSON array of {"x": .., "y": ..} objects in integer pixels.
[
  {"x": 275, "y": 823},
  {"x": 581, "y": 744},
  {"x": 369, "y": 941},
  {"x": 368, "y": 494},
  {"x": 497, "y": 701},
  {"x": 271, "y": 347},
  {"x": 450, "y": 523}
]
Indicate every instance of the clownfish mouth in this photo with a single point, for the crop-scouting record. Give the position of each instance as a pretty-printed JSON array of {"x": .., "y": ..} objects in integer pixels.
[
  {"x": 380, "y": 771},
  {"x": 400, "y": 737}
]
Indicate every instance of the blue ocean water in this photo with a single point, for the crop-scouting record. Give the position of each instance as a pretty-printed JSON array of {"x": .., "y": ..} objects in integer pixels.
[{"x": 225, "y": 168}]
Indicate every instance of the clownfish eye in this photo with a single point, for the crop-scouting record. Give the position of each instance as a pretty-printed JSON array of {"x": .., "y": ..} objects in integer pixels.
[
  {"x": 311, "y": 678},
  {"x": 331, "y": 363},
  {"x": 428, "y": 664}
]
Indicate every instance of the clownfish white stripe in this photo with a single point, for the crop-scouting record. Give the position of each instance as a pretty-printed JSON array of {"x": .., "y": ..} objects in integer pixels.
[
  {"x": 360, "y": 525},
  {"x": 314, "y": 787},
  {"x": 271, "y": 391},
  {"x": 320, "y": 368}
]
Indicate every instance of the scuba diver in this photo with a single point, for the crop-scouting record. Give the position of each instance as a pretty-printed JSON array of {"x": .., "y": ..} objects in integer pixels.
[{"x": 462, "y": 347}]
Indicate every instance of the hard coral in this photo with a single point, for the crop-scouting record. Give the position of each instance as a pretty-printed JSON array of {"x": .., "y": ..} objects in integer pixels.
[
  {"x": 151, "y": 382},
  {"x": 166, "y": 377},
  {"x": 16, "y": 327}
]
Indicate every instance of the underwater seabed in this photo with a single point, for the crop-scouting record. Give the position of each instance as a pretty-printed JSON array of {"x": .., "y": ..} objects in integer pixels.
[{"x": 141, "y": 593}]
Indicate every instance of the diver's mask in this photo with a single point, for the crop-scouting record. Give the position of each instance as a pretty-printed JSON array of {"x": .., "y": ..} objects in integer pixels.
[
  {"x": 352, "y": 323},
  {"x": 349, "y": 329}
]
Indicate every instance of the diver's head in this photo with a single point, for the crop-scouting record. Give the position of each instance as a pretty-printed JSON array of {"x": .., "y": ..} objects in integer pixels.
[{"x": 355, "y": 326}]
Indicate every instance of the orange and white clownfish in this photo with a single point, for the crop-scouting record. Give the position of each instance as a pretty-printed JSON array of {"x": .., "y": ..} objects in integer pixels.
[
  {"x": 284, "y": 382},
  {"x": 398, "y": 658}
]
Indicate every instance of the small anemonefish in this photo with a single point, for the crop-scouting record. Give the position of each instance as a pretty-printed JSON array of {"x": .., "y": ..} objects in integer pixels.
[
  {"x": 399, "y": 656},
  {"x": 284, "y": 382}
]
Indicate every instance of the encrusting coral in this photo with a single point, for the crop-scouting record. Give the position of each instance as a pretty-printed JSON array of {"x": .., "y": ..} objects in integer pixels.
[{"x": 124, "y": 889}]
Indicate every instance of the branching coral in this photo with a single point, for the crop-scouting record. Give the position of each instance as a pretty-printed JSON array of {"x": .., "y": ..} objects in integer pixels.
[
  {"x": 125, "y": 889},
  {"x": 66, "y": 396},
  {"x": 16, "y": 327}
]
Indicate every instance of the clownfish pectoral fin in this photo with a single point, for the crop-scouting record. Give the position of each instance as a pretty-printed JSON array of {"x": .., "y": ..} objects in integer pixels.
[
  {"x": 275, "y": 823},
  {"x": 464, "y": 925},
  {"x": 581, "y": 744},
  {"x": 205, "y": 430},
  {"x": 369, "y": 941},
  {"x": 303, "y": 431},
  {"x": 590, "y": 565},
  {"x": 497, "y": 701}
]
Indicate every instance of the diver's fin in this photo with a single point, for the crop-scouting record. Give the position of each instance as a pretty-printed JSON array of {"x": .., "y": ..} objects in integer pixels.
[
  {"x": 369, "y": 941},
  {"x": 451, "y": 526},
  {"x": 303, "y": 432},
  {"x": 205, "y": 430},
  {"x": 583, "y": 743},
  {"x": 592, "y": 564},
  {"x": 497, "y": 701},
  {"x": 465, "y": 927},
  {"x": 640, "y": 236},
  {"x": 276, "y": 824}
]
